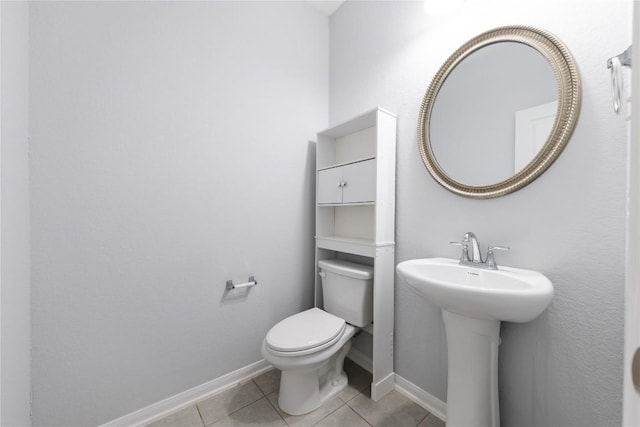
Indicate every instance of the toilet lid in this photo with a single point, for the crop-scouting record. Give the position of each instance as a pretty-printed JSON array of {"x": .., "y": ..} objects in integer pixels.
[{"x": 302, "y": 331}]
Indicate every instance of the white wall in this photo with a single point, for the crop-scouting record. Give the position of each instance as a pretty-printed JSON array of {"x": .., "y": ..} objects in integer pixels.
[
  {"x": 15, "y": 373},
  {"x": 169, "y": 153},
  {"x": 565, "y": 368},
  {"x": 631, "y": 398}
]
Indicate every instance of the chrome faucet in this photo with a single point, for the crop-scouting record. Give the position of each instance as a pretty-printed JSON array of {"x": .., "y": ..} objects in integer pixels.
[{"x": 472, "y": 256}]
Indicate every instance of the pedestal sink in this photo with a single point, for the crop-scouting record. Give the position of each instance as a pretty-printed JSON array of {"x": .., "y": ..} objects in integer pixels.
[{"x": 474, "y": 302}]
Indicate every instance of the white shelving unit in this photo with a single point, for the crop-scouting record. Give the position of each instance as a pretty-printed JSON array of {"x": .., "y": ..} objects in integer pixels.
[{"x": 355, "y": 219}]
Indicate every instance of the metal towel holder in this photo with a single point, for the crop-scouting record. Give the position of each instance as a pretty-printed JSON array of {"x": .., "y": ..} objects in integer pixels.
[{"x": 615, "y": 64}]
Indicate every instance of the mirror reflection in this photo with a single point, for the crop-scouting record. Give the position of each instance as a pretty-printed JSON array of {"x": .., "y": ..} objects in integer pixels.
[{"x": 493, "y": 113}]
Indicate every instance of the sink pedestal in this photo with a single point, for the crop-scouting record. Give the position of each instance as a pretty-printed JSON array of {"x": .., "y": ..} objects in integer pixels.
[
  {"x": 474, "y": 301},
  {"x": 472, "y": 381}
]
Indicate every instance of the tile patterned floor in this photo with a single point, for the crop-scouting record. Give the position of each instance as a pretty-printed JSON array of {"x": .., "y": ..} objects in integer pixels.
[{"x": 255, "y": 403}]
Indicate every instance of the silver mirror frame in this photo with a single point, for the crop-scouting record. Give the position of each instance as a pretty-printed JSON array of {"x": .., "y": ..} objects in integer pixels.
[{"x": 569, "y": 101}]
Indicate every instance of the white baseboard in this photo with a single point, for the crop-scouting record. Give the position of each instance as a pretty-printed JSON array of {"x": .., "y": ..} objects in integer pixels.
[
  {"x": 428, "y": 401},
  {"x": 196, "y": 394},
  {"x": 165, "y": 407},
  {"x": 394, "y": 381},
  {"x": 382, "y": 387}
]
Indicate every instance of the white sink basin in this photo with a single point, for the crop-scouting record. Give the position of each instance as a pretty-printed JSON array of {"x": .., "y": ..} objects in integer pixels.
[{"x": 507, "y": 294}]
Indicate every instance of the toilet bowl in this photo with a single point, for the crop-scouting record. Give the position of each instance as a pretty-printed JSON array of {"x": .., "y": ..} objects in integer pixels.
[
  {"x": 309, "y": 347},
  {"x": 311, "y": 375}
]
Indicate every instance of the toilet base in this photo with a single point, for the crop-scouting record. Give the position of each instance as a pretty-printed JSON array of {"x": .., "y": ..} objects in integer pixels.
[
  {"x": 296, "y": 403},
  {"x": 303, "y": 391}
]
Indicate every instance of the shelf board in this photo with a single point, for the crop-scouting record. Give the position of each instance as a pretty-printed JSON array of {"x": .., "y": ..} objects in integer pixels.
[
  {"x": 320, "y": 205},
  {"x": 364, "y": 247},
  {"x": 354, "y": 240},
  {"x": 363, "y": 121},
  {"x": 336, "y": 165}
]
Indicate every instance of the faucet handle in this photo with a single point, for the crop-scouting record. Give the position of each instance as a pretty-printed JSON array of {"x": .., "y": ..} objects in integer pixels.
[
  {"x": 464, "y": 256},
  {"x": 491, "y": 260}
]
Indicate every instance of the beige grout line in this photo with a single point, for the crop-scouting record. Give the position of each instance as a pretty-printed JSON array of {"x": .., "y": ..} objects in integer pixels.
[
  {"x": 200, "y": 415},
  {"x": 248, "y": 404},
  {"x": 423, "y": 418},
  {"x": 253, "y": 380},
  {"x": 276, "y": 409},
  {"x": 332, "y": 412},
  {"x": 354, "y": 396},
  {"x": 358, "y": 414},
  {"x": 239, "y": 409}
]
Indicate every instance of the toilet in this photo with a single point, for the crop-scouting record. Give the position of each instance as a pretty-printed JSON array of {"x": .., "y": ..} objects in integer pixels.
[{"x": 309, "y": 347}]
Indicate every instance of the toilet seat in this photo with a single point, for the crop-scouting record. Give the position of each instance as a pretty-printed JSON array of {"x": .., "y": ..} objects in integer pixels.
[{"x": 305, "y": 333}]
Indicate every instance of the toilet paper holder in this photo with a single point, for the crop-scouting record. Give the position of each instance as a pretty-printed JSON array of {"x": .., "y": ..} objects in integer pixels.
[{"x": 251, "y": 282}]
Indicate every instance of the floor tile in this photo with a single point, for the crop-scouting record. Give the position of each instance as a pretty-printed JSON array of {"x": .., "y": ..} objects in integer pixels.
[
  {"x": 309, "y": 419},
  {"x": 186, "y": 418},
  {"x": 269, "y": 381},
  {"x": 343, "y": 417},
  {"x": 258, "y": 413},
  {"x": 392, "y": 410},
  {"x": 431, "y": 421},
  {"x": 359, "y": 379},
  {"x": 223, "y": 404}
]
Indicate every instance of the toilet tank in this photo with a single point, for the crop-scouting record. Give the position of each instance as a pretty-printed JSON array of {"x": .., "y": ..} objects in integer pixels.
[{"x": 347, "y": 290}]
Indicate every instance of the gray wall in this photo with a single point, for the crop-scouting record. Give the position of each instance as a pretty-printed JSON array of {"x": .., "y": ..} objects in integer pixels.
[
  {"x": 169, "y": 148},
  {"x": 15, "y": 372},
  {"x": 565, "y": 368}
]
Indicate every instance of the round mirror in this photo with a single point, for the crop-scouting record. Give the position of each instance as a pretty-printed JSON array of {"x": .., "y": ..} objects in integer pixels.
[{"x": 499, "y": 112}]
